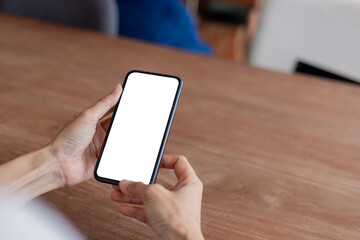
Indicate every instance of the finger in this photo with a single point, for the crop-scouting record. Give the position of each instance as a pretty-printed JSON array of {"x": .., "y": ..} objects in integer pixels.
[
  {"x": 133, "y": 189},
  {"x": 98, "y": 138},
  {"x": 105, "y": 123},
  {"x": 115, "y": 187},
  {"x": 121, "y": 197},
  {"x": 99, "y": 109},
  {"x": 133, "y": 212},
  {"x": 181, "y": 166},
  {"x": 108, "y": 114}
]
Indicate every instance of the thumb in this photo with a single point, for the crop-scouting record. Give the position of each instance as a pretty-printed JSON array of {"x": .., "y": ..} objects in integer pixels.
[
  {"x": 133, "y": 189},
  {"x": 103, "y": 105}
]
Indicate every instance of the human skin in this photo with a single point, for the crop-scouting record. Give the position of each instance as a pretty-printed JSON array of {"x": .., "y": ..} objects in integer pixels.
[
  {"x": 67, "y": 160},
  {"x": 70, "y": 159},
  {"x": 174, "y": 212}
]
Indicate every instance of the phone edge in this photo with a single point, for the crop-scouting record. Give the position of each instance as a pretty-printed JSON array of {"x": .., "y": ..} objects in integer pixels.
[
  {"x": 165, "y": 137},
  {"x": 167, "y": 131}
]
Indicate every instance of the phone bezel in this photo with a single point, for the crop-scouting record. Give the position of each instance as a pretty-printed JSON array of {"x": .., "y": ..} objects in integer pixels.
[{"x": 165, "y": 136}]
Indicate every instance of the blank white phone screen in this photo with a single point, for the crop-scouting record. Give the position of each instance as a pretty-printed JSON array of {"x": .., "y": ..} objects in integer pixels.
[{"x": 137, "y": 131}]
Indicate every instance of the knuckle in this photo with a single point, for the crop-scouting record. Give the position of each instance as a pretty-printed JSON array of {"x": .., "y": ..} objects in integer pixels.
[
  {"x": 76, "y": 115},
  {"x": 182, "y": 158},
  {"x": 106, "y": 100},
  {"x": 87, "y": 114},
  {"x": 195, "y": 181}
]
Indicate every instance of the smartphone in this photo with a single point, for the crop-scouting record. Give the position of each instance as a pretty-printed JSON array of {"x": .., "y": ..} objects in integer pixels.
[{"x": 139, "y": 128}]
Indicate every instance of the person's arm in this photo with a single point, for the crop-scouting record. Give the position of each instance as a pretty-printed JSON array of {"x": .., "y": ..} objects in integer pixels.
[
  {"x": 67, "y": 160},
  {"x": 174, "y": 212},
  {"x": 31, "y": 174}
]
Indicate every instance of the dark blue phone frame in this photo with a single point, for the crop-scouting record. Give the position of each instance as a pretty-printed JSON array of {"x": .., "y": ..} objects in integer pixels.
[{"x": 165, "y": 136}]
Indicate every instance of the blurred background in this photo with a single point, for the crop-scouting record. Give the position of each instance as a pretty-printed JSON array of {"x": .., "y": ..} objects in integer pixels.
[{"x": 292, "y": 36}]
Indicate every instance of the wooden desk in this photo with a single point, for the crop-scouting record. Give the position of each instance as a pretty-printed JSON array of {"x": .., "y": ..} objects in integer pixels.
[{"x": 278, "y": 154}]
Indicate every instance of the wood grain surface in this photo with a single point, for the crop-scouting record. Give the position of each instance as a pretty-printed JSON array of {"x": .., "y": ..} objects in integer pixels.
[{"x": 278, "y": 154}]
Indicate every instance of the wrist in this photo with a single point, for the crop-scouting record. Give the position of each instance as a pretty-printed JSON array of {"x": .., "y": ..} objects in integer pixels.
[
  {"x": 53, "y": 167},
  {"x": 31, "y": 175}
]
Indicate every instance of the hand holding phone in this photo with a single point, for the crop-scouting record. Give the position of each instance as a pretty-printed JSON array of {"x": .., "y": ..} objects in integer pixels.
[
  {"x": 173, "y": 212},
  {"x": 138, "y": 131}
]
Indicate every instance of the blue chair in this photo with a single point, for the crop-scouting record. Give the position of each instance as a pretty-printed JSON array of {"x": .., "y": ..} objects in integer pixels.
[{"x": 100, "y": 15}]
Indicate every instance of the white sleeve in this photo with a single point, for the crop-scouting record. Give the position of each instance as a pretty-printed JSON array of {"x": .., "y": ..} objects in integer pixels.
[{"x": 33, "y": 221}]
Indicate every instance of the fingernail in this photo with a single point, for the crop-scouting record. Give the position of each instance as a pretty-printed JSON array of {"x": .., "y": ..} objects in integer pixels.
[
  {"x": 116, "y": 88},
  {"x": 124, "y": 184}
]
